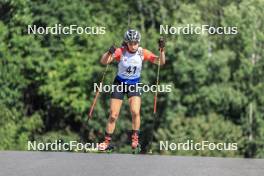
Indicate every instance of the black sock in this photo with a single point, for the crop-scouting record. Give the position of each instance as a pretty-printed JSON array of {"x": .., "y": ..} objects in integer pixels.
[
  {"x": 108, "y": 135},
  {"x": 135, "y": 132}
]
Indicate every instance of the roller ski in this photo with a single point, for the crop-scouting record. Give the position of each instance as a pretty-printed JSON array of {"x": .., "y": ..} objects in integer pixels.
[
  {"x": 106, "y": 146},
  {"x": 135, "y": 146}
]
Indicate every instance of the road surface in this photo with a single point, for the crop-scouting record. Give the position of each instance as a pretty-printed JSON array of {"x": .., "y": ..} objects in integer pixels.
[{"x": 14, "y": 163}]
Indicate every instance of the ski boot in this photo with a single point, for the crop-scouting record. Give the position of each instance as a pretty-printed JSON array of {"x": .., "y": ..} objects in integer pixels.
[
  {"x": 135, "y": 144},
  {"x": 106, "y": 145}
]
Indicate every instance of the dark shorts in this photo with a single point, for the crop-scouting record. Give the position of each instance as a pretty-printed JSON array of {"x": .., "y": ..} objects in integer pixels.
[{"x": 122, "y": 89}]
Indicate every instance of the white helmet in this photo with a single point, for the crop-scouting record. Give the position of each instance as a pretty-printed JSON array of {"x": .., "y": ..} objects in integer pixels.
[{"x": 132, "y": 36}]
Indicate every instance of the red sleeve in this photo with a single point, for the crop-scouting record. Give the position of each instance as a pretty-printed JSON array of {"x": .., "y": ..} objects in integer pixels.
[
  {"x": 149, "y": 56},
  {"x": 118, "y": 53}
]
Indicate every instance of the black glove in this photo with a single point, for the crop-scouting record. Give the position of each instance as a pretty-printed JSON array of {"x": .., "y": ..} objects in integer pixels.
[
  {"x": 161, "y": 42},
  {"x": 112, "y": 49}
]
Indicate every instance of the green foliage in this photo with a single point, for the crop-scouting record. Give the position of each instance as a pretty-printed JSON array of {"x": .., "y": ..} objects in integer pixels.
[
  {"x": 212, "y": 128},
  {"x": 46, "y": 81}
]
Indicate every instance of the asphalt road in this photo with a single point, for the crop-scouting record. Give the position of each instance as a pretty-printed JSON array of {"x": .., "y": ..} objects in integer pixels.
[{"x": 83, "y": 164}]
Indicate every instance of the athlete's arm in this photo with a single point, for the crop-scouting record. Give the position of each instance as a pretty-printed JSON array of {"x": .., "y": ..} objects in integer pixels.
[
  {"x": 106, "y": 58},
  {"x": 148, "y": 55},
  {"x": 114, "y": 52},
  {"x": 161, "y": 58}
]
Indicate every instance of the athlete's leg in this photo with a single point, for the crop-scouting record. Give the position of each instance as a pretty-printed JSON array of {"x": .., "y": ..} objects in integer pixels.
[
  {"x": 115, "y": 106},
  {"x": 135, "y": 103}
]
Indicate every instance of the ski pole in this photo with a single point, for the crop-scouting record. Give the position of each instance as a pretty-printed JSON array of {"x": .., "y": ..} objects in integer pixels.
[
  {"x": 97, "y": 92},
  {"x": 157, "y": 84},
  {"x": 155, "y": 106},
  {"x": 161, "y": 46}
]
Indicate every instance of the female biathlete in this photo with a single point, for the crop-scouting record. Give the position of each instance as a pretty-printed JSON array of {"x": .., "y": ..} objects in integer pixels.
[{"x": 130, "y": 58}]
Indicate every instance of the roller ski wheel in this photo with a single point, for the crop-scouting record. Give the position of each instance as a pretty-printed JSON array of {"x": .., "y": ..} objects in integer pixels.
[
  {"x": 136, "y": 150},
  {"x": 109, "y": 149}
]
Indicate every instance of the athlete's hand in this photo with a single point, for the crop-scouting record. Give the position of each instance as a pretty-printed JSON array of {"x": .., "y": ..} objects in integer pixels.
[
  {"x": 112, "y": 49},
  {"x": 161, "y": 43}
]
